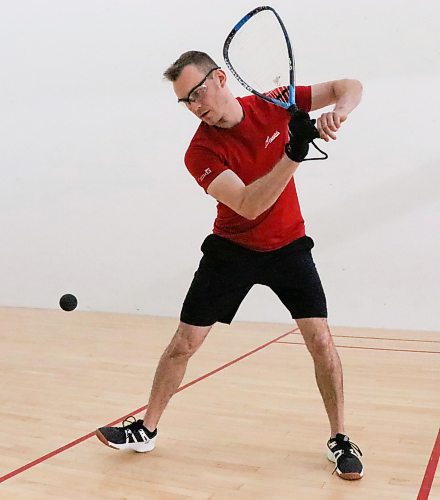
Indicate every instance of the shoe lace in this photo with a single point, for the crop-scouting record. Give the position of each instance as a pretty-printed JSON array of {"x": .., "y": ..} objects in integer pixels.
[
  {"x": 345, "y": 447},
  {"x": 129, "y": 422}
]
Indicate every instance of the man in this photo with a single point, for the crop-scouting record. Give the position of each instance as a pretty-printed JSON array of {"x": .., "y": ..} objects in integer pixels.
[{"x": 244, "y": 155}]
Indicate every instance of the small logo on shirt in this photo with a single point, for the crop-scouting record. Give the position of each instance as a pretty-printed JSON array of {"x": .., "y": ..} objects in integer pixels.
[
  {"x": 269, "y": 140},
  {"x": 205, "y": 173}
]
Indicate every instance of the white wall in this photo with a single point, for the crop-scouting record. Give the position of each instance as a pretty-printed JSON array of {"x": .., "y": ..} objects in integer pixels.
[{"x": 95, "y": 199}]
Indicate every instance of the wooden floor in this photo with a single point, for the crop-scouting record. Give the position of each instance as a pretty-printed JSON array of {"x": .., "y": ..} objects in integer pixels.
[{"x": 251, "y": 426}]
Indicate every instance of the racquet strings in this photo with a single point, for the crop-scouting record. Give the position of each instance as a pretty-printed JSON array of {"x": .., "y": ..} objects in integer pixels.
[{"x": 258, "y": 53}]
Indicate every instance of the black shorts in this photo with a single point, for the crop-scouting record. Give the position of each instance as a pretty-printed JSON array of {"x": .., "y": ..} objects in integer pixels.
[{"x": 228, "y": 271}]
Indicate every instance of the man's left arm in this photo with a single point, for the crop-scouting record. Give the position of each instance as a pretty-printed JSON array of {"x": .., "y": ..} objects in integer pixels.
[{"x": 344, "y": 94}]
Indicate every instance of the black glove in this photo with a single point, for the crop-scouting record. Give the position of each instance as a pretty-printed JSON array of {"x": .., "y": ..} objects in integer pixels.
[{"x": 302, "y": 131}]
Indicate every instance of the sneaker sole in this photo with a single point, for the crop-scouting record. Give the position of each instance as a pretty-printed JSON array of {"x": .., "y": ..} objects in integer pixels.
[
  {"x": 137, "y": 447},
  {"x": 349, "y": 476}
]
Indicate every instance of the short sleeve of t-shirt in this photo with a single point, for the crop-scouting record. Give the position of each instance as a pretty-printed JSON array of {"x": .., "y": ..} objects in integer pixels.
[
  {"x": 204, "y": 165},
  {"x": 303, "y": 97}
]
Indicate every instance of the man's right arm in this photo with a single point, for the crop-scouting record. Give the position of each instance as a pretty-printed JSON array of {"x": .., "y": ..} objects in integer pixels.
[{"x": 252, "y": 200}]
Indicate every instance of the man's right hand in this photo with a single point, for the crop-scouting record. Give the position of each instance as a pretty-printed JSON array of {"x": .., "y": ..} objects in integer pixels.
[{"x": 302, "y": 131}]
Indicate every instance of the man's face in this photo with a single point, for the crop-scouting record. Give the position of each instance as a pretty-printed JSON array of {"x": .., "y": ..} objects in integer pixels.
[{"x": 201, "y": 92}]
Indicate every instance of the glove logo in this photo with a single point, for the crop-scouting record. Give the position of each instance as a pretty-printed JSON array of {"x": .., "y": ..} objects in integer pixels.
[{"x": 269, "y": 140}]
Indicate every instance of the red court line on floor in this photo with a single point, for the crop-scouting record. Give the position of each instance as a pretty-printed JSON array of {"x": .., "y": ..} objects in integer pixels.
[
  {"x": 367, "y": 348},
  {"x": 431, "y": 468},
  {"x": 385, "y": 338},
  {"x": 13, "y": 473},
  {"x": 428, "y": 478}
]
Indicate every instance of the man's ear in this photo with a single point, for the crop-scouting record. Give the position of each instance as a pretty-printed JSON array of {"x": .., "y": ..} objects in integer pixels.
[{"x": 222, "y": 78}]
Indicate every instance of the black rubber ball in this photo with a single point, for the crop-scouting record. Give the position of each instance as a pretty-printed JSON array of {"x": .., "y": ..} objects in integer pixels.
[{"x": 68, "y": 302}]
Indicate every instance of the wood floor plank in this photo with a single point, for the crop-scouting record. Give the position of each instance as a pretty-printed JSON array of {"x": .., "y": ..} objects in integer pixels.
[{"x": 256, "y": 429}]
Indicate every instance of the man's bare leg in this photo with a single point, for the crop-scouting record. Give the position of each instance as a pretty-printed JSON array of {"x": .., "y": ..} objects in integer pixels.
[
  {"x": 171, "y": 369},
  {"x": 328, "y": 369}
]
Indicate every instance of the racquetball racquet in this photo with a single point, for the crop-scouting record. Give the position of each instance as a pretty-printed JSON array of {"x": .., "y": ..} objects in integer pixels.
[{"x": 259, "y": 54}]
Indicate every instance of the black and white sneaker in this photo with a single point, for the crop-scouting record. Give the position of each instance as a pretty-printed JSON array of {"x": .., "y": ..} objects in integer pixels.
[
  {"x": 346, "y": 455},
  {"x": 131, "y": 436}
]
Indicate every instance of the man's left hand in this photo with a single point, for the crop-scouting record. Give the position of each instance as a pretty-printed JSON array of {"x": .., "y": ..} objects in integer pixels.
[{"x": 328, "y": 124}]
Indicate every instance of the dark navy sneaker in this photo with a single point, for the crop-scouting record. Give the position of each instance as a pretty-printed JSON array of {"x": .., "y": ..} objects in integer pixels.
[
  {"x": 346, "y": 455},
  {"x": 131, "y": 436}
]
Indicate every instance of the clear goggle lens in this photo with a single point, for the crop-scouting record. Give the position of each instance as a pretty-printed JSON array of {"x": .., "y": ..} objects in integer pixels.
[{"x": 196, "y": 95}]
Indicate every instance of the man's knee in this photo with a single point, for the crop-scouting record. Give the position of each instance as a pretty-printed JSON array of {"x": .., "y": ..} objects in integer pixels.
[
  {"x": 187, "y": 340},
  {"x": 321, "y": 344},
  {"x": 317, "y": 336}
]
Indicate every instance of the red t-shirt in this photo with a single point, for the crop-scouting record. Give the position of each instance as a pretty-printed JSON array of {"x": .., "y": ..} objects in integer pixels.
[{"x": 250, "y": 149}]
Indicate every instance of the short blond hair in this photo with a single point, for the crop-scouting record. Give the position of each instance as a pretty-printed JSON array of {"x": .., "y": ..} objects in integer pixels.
[{"x": 199, "y": 59}]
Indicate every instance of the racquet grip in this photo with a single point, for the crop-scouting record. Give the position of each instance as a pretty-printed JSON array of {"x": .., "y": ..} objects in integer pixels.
[{"x": 292, "y": 109}]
